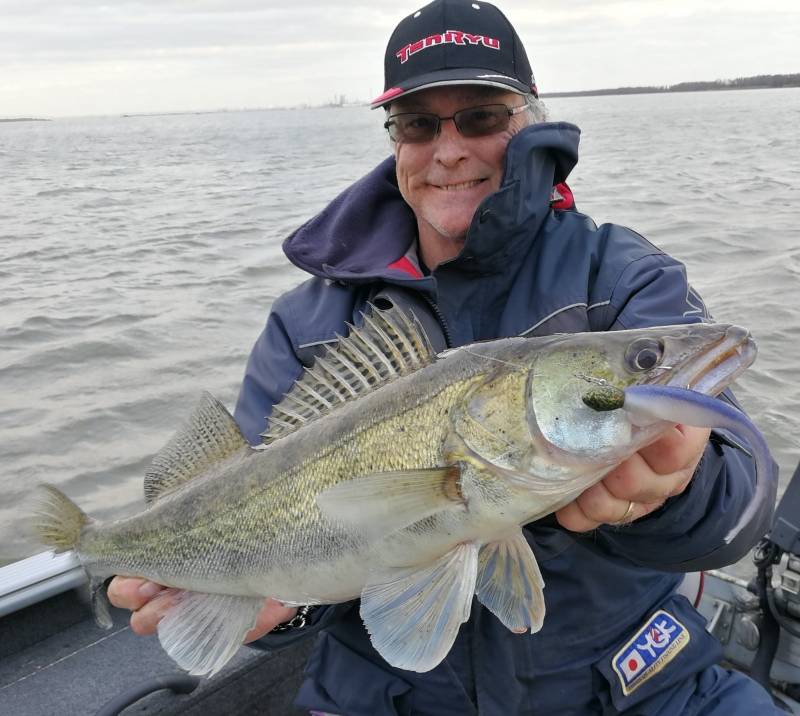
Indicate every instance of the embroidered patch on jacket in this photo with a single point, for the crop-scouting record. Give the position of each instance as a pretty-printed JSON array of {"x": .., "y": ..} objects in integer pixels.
[{"x": 656, "y": 644}]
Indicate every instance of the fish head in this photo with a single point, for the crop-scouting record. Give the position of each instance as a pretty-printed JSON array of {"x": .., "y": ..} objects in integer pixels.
[{"x": 705, "y": 357}]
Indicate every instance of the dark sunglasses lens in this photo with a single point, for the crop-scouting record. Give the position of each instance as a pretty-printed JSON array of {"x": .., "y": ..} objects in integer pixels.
[
  {"x": 480, "y": 121},
  {"x": 413, "y": 127}
]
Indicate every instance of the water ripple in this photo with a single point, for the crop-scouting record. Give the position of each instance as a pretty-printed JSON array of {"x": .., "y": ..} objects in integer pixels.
[{"x": 140, "y": 256}]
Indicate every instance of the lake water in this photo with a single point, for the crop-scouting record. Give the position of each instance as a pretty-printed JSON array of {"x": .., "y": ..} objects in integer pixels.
[{"x": 139, "y": 257}]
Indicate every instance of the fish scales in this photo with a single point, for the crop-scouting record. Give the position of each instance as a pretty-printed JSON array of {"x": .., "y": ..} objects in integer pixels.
[{"x": 261, "y": 513}]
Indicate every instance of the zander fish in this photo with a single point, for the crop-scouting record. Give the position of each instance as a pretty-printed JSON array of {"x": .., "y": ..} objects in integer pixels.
[{"x": 401, "y": 477}]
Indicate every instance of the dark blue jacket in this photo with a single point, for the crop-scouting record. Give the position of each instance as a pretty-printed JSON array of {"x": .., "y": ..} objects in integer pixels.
[{"x": 525, "y": 269}]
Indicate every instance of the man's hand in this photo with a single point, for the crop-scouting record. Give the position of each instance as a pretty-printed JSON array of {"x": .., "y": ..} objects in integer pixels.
[
  {"x": 149, "y": 602},
  {"x": 641, "y": 484}
]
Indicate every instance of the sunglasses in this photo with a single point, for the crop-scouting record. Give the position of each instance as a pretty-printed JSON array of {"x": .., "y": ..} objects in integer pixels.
[{"x": 418, "y": 127}]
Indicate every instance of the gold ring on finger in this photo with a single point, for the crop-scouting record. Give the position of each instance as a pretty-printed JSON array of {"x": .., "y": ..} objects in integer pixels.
[{"x": 626, "y": 518}]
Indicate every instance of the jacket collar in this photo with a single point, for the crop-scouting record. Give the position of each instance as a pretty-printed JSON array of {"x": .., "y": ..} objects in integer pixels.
[{"x": 365, "y": 232}]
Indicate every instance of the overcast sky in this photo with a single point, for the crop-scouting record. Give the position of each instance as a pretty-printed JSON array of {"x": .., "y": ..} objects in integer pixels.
[{"x": 71, "y": 57}]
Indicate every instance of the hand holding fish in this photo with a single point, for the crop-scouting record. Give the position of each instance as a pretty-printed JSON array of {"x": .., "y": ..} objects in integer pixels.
[
  {"x": 149, "y": 602},
  {"x": 640, "y": 484}
]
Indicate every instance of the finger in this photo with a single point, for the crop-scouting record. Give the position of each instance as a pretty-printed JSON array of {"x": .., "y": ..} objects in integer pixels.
[
  {"x": 571, "y": 517},
  {"x": 635, "y": 480},
  {"x": 132, "y": 592},
  {"x": 271, "y": 614},
  {"x": 593, "y": 507},
  {"x": 680, "y": 447},
  {"x": 144, "y": 621},
  {"x": 597, "y": 506}
]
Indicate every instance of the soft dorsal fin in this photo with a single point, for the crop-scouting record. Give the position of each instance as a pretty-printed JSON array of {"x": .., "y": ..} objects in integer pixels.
[
  {"x": 390, "y": 343},
  {"x": 210, "y": 435}
]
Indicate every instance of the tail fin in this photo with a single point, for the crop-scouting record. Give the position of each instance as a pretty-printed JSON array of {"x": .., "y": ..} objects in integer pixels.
[{"x": 58, "y": 519}]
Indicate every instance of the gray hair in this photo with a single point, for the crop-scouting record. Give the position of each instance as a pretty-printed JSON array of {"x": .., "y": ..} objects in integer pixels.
[{"x": 538, "y": 109}]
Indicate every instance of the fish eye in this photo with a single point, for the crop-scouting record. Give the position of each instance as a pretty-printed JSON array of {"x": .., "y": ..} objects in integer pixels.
[{"x": 644, "y": 354}]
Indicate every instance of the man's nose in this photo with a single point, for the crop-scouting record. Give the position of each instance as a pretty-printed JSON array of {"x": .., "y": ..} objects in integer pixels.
[{"x": 450, "y": 146}]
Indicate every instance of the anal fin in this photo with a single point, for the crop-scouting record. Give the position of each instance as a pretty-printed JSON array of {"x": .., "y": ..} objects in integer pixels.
[
  {"x": 202, "y": 632},
  {"x": 510, "y": 584},
  {"x": 413, "y": 614}
]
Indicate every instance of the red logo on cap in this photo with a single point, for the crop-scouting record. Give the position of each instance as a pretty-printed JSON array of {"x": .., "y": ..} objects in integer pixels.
[{"x": 455, "y": 37}]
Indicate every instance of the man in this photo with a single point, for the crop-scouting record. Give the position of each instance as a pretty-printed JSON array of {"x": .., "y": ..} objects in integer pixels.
[{"x": 463, "y": 225}]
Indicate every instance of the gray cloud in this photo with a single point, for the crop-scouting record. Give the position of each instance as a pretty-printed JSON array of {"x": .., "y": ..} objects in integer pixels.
[
  {"x": 91, "y": 57},
  {"x": 82, "y": 30}
]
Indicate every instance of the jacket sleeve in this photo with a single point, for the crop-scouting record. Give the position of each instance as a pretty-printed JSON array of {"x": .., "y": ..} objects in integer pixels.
[
  {"x": 271, "y": 369},
  {"x": 686, "y": 533}
]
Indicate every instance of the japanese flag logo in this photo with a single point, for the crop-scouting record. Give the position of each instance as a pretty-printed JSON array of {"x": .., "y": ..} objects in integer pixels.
[
  {"x": 632, "y": 664},
  {"x": 652, "y": 647}
]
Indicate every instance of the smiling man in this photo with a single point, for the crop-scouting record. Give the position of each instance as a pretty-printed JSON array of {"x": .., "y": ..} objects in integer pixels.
[
  {"x": 470, "y": 224},
  {"x": 444, "y": 181}
]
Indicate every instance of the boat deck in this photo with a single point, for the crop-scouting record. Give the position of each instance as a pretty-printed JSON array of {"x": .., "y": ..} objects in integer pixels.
[{"x": 55, "y": 659}]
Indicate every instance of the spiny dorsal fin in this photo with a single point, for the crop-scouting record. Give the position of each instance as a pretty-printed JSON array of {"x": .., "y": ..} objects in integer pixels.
[
  {"x": 209, "y": 436},
  {"x": 389, "y": 344}
]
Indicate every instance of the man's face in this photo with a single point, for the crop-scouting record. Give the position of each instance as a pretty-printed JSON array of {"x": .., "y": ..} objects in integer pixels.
[{"x": 444, "y": 180}]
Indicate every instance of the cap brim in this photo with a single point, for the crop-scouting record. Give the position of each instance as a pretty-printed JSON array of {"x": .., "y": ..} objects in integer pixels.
[{"x": 444, "y": 78}]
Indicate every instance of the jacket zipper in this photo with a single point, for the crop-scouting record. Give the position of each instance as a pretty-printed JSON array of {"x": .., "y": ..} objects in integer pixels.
[{"x": 448, "y": 338}]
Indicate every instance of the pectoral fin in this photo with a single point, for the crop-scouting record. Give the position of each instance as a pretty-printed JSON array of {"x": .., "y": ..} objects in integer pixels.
[
  {"x": 388, "y": 501},
  {"x": 201, "y": 632},
  {"x": 510, "y": 584},
  {"x": 413, "y": 614}
]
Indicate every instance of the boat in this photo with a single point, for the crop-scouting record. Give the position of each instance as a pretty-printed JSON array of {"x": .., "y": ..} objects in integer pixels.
[{"x": 55, "y": 659}]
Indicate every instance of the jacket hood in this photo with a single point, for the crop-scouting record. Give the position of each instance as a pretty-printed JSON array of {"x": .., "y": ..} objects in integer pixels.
[{"x": 366, "y": 231}]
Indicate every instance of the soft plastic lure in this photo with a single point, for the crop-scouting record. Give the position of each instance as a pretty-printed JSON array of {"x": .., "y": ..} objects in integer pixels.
[{"x": 649, "y": 403}]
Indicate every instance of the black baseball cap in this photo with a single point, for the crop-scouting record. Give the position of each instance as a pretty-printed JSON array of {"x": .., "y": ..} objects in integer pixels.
[{"x": 454, "y": 42}]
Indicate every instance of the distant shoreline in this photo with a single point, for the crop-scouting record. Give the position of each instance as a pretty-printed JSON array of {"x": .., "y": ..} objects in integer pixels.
[{"x": 756, "y": 82}]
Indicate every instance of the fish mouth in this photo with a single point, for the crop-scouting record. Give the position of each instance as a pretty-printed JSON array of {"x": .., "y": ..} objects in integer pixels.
[{"x": 711, "y": 371}]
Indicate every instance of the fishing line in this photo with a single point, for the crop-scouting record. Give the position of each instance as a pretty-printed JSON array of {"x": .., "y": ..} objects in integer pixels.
[
  {"x": 475, "y": 421},
  {"x": 492, "y": 358}
]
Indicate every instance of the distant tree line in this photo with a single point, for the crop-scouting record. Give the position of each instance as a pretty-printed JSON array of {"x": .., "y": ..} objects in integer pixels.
[{"x": 755, "y": 82}]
